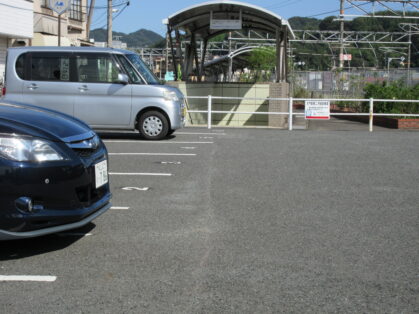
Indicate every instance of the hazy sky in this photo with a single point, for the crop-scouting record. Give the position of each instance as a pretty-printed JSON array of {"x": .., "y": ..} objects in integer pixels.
[{"x": 149, "y": 14}]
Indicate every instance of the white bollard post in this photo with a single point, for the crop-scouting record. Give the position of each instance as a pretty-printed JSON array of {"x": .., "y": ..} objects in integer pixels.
[
  {"x": 290, "y": 118},
  {"x": 371, "y": 113},
  {"x": 209, "y": 110}
]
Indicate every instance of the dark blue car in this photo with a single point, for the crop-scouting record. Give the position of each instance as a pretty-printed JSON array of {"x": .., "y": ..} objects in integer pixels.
[{"x": 53, "y": 172}]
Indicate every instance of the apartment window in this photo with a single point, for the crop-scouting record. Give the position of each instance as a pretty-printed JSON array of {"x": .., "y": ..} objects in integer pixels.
[{"x": 75, "y": 10}]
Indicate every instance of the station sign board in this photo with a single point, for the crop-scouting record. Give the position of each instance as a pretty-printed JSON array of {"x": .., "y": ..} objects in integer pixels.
[
  {"x": 227, "y": 24},
  {"x": 59, "y": 6},
  {"x": 317, "y": 110},
  {"x": 345, "y": 57}
]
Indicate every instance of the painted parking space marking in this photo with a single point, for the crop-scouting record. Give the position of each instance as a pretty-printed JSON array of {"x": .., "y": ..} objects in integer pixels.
[
  {"x": 135, "y": 188},
  {"x": 119, "y": 207},
  {"x": 149, "y": 154},
  {"x": 74, "y": 234},
  {"x": 190, "y": 133},
  {"x": 28, "y": 278},
  {"x": 139, "y": 174},
  {"x": 188, "y": 147},
  {"x": 206, "y": 137},
  {"x": 155, "y": 142},
  {"x": 170, "y": 162}
]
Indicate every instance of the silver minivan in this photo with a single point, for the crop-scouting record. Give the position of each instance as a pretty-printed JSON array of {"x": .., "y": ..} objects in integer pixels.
[{"x": 107, "y": 88}]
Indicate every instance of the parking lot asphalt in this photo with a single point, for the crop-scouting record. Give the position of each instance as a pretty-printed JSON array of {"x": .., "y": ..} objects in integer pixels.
[{"x": 236, "y": 221}]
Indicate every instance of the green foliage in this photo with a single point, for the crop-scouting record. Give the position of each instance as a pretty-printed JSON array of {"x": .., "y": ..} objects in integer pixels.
[
  {"x": 300, "y": 92},
  {"x": 328, "y": 24},
  {"x": 262, "y": 62},
  {"x": 220, "y": 37},
  {"x": 299, "y": 22},
  {"x": 395, "y": 90}
]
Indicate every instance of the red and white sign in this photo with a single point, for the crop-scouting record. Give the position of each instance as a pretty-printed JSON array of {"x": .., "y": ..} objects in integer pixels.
[
  {"x": 317, "y": 110},
  {"x": 345, "y": 57}
]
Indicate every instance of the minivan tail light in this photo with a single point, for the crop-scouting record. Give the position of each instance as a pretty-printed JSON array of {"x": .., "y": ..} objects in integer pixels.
[{"x": 3, "y": 91}]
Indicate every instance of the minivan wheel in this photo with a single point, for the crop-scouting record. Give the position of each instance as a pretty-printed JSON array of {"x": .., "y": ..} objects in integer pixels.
[{"x": 153, "y": 125}]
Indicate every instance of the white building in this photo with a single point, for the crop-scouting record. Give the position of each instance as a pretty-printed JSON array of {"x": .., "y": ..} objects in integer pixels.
[{"x": 16, "y": 25}]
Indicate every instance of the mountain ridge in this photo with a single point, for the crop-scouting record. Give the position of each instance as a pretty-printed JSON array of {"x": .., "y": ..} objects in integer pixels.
[{"x": 140, "y": 38}]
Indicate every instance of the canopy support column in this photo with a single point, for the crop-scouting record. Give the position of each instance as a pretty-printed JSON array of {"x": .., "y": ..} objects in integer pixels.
[{"x": 169, "y": 34}]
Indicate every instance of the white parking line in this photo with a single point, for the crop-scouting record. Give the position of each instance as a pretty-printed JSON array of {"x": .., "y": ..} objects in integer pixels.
[
  {"x": 149, "y": 154},
  {"x": 74, "y": 234},
  {"x": 135, "y": 188},
  {"x": 188, "y": 147},
  {"x": 28, "y": 278},
  {"x": 139, "y": 174},
  {"x": 155, "y": 142},
  {"x": 119, "y": 207},
  {"x": 189, "y": 133}
]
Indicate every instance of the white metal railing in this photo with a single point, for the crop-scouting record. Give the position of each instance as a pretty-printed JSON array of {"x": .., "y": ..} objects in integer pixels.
[{"x": 290, "y": 113}]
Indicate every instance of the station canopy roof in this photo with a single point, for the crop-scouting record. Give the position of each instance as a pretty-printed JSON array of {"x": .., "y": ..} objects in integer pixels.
[{"x": 225, "y": 15}]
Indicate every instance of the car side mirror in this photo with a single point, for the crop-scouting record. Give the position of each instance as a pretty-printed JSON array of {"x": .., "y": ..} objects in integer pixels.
[{"x": 123, "y": 78}]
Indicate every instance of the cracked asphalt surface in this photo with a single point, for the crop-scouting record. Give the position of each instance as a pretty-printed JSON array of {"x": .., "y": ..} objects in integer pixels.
[{"x": 259, "y": 221}]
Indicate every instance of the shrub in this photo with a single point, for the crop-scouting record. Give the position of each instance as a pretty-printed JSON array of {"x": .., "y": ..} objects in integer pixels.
[{"x": 394, "y": 90}]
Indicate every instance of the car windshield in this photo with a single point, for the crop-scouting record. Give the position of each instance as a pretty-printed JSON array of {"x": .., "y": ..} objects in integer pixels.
[{"x": 143, "y": 69}]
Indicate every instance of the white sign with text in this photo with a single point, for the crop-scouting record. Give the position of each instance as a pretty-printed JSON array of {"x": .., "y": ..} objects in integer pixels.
[
  {"x": 59, "y": 6},
  {"x": 317, "y": 110}
]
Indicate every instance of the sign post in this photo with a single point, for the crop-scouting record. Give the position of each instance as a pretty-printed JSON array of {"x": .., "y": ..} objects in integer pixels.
[
  {"x": 59, "y": 7},
  {"x": 317, "y": 110}
]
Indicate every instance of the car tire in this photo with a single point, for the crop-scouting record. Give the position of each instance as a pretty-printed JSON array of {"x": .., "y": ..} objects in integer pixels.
[{"x": 153, "y": 125}]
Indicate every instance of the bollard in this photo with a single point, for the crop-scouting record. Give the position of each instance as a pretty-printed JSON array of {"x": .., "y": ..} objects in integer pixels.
[
  {"x": 371, "y": 113},
  {"x": 290, "y": 114},
  {"x": 209, "y": 111}
]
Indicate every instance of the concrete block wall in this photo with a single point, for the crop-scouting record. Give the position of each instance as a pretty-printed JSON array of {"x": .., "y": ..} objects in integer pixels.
[
  {"x": 278, "y": 90},
  {"x": 260, "y": 90}
]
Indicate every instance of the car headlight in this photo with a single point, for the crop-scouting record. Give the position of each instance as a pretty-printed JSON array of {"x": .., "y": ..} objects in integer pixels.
[
  {"x": 170, "y": 95},
  {"x": 27, "y": 149}
]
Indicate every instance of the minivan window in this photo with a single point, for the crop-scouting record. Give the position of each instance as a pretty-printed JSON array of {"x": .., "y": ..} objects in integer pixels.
[
  {"x": 142, "y": 68},
  {"x": 20, "y": 66},
  {"x": 50, "y": 68},
  {"x": 96, "y": 68}
]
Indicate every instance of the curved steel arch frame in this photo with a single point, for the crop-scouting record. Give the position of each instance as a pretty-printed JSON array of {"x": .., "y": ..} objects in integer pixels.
[{"x": 195, "y": 22}]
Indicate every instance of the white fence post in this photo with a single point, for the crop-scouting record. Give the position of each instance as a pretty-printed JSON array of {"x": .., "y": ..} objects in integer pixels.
[
  {"x": 290, "y": 103},
  {"x": 209, "y": 111},
  {"x": 371, "y": 113}
]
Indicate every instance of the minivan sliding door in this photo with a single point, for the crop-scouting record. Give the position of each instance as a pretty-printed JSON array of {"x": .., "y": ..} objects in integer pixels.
[
  {"x": 101, "y": 101},
  {"x": 47, "y": 83}
]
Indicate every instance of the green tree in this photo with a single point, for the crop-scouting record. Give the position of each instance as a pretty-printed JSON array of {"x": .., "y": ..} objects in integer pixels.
[{"x": 262, "y": 61}]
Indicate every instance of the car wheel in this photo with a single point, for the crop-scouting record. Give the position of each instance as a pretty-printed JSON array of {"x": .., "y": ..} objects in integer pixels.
[{"x": 153, "y": 125}]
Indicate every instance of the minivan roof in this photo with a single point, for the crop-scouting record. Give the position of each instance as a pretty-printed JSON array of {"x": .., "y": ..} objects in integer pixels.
[{"x": 72, "y": 49}]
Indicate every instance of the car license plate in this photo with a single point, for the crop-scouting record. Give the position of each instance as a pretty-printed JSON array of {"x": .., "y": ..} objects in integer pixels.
[{"x": 101, "y": 173}]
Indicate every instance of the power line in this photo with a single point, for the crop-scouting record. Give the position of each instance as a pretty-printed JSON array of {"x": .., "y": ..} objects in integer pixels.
[
  {"x": 119, "y": 13},
  {"x": 334, "y": 11}
]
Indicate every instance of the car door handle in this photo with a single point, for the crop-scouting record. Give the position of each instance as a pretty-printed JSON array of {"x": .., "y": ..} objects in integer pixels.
[
  {"x": 83, "y": 88},
  {"x": 32, "y": 86}
]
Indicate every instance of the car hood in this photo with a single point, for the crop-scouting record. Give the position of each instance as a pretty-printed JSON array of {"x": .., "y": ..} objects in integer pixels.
[{"x": 39, "y": 122}]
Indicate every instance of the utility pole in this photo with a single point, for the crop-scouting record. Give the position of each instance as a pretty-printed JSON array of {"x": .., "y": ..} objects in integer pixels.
[
  {"x": 89, "y": 19},
  {"x": 342, "y": 29},
  {"x": 409, "y": 56},
  {"x": 109, "y": 23}
]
